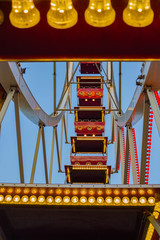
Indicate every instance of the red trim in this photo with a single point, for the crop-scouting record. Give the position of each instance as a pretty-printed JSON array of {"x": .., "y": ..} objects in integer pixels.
[
  {"x": 89, "y": 92},
  {"x": 92, "y": 125},
  {"x": 94, "y": 160}
]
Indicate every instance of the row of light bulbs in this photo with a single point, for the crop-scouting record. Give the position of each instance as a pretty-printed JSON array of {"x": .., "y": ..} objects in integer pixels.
[
  {"x": 75, "y": 200},
  {"x": 75, "y": 191},
  {"x": 62, "y": 14}
]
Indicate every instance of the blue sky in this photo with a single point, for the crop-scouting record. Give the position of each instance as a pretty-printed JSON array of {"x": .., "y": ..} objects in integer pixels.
[{"x": 39, "y": 77}]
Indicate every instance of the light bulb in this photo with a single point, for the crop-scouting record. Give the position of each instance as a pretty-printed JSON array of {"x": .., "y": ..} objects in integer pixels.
[
  {"x": 100, "y": 13},
  {"x": 138, "y": 13},
  {"x": 1, "y": 17},
  {"x": 24, "y": 14},
  {"x": 62, "y": 14}
]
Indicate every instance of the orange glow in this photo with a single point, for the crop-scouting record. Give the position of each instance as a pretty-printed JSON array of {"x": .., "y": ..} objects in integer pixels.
[
  {"x": 42, "y": 191},
  {"x": 141, "y": 191},
  {"x": 10, "y": 190},
  {"x": 50, "y": 191},
  {"x": 2, "y": 190},
  {"x": 91, "y": 191},
  {"x": 75, "y": 191},
  {"x": 133, "y": 191},
  {"x": 150, "y": 191},
  {"x": 108, "y": 191},
  {"x": 116, "y": 191},
  {"x": 26, "y": 190},
  {"x": 34, "y": 190},
  {"x": 18, "y": 190},
  {"x": 125, "y": 191},
  {"x": 58, "y": 191},
  {"x": 99, "y": 192},
  {"x": 83, "y": 191},
  {"x": 67, "y": 191}
]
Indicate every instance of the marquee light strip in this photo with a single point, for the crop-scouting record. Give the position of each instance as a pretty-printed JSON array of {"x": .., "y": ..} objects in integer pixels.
[{"x": 78, "y": 196}]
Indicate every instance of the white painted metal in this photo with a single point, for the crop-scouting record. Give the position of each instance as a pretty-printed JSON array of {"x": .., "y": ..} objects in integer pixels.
[
  {"x": 36, "y": 155},
  {"x": 133, "y": 159},
  {"x": 19, "y": 141},
  {"x": 44, "y": 155},
  {"x": 122, "y": 154},
  {"x": 6, "y": 103},
  {"x": 126, "y": 159},
  {"x": 144, "y": 140},
  {"x": 116, "y": 146},
  {"x": 52, "y": 153},
  {"x": 12, "y": 76},
  {"x": 155, "y": 107},
  {"x": 151, "y": 73}
]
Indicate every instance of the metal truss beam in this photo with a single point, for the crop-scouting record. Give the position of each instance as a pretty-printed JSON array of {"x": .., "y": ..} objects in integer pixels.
[
  {"x": 122, "y": 154},
  {"x": 144, "y": 140},
  {"x": 36, "y": 155},
  {"x": 116, "y": 144},
  {"x": 108, "y": 89},
  {"x": 65, "y": 129},
  {"x": 155, "y": 107},
  {"x": 52, "y": 153},
  {"x": 19, "y": 141},
  {"x": 61, "y": 145},
  {"x": 133, "y": 158},
  {"x": 44, "y": 155},
  {"x": 6, "y": 104},
  {"x": 58, "y": 155},
  {"x": 112, "y": 127},
  {"x": 126, "y": 159}
]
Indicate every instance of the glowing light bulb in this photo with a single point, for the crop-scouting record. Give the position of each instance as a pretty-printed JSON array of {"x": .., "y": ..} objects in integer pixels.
[
  {"x": 74, "y": 199},
  {"x": 25, "y": 198},
  {"x": 16, "y": 198},
  {"x": 24, "y": 14},
  {"x": 100, "y": 13},
  {"x": 138, "y": 13},
  {"x": 1, "y": 17},
  {"x": 108, "y": 200},
  {"x": 91, "y": 200},
  {"x": 49, "y": 199},
  {"x": 62, "y": 14}
]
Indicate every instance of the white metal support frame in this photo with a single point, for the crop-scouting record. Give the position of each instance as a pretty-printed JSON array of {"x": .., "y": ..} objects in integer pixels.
[
  {"x": 122, "y": 154},
  {"x": 36, "y": 155},
  {"x": 116, "y": 144},
  {"x": 18, "y": 130},
  {"x": 126, "y": 159},
  {"x": 52, "y": 152},
  {"x": 144, "y": 140},
  {"x": 133, "y": 158},
  {"x": 6, "y": 104},
  {"x": 44, "y": 155},
  {"x": 112, "y": 127},
  {"x": 155, "y": 107}
]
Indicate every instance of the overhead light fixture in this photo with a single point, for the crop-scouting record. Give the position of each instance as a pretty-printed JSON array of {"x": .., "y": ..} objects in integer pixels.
[
  {"x": 62, "y": 14},
  {"x": 138, "y": 13},
  {"x": 24, "y": 14},
  {"x": 1, "y": 17},
  {"x": 100, "y": 13}
]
